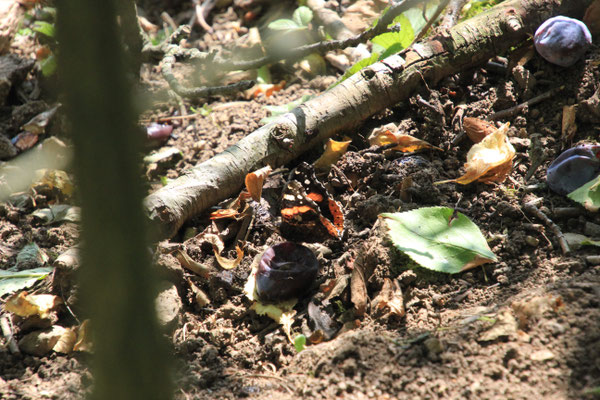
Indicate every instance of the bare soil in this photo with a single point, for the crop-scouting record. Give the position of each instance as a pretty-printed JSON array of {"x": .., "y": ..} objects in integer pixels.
[{"x": 437, "y": 350}]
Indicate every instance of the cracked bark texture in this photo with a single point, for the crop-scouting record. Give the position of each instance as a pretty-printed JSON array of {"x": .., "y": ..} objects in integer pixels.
[{"x": 348, "y": 104}]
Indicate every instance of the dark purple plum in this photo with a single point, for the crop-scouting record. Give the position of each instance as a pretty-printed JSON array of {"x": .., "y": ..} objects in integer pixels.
[
  {"x": 286, "y": 270},
  {"x": 574, "y": 168},
  {"x": 562, "y": 40},
  {"x": 158, "y": 133}
]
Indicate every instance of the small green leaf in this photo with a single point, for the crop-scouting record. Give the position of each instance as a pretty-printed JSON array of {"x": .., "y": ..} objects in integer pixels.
[
  {"x": 44, "y": 28},
  {"x": 299, "y": 343},
  {"x": 48, "y": 65},
  {"x": 302, "y": 16},
  {"x": 437, "y": 239},
  {"x": 284, "y": 25},
  {"x": 403, "y": 38},
  {"x": 205, "y": 110},
  {"x": 11, "y": 281},
  {"x": 263, "y": 75},
  {"x": 588, "y": 195}
]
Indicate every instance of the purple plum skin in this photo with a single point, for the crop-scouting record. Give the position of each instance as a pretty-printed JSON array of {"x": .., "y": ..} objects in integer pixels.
[
  {"x": 574, "y": 168},
  {"x": 286, "y": 270},
  {"x": 562, "y": 40}
]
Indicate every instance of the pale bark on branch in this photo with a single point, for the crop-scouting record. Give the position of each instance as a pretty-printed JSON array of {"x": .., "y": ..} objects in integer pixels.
[{"x": 348, "y": 104}]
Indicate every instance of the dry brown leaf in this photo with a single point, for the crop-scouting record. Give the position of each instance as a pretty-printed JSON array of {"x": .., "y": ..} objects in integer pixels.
[
  {"x": 84, "y": 337},
  {"x": 218, "y": 247},
  {"x": 505, "y": 325},
  {"x": 477, "y": 128},
  {"x": 65, "y": 342},
  {"x": 533, "y": 308},
  {"x": 255, "y": 180},
  {"x": 489, "y": 160},
  {"x": 187, "y": 262},
  {"x": 358, "y": 290},
  {"x": 333, "y": 151},
  {"x": 390, "y": 300},
  {"x": 388, "y": 134},
  {"x": 236, "y": 209},
  {"x": 569, "y": 127},
  {"x": 53, "y": 179},
  {"x": 26, "y": 305},
  {"x": 200, "y": 298}
]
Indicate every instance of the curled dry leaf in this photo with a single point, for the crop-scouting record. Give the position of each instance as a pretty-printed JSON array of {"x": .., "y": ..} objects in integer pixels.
[
  {"x": 236, "y": 210},
  {"x": 389, "y": 134},
  {"x": 255, "y": 180},
  {"x": 200, "y": 298},
  {"x": 569, "y": 127},
  {"x": 26, "y": 305},
  {"x": 333, "y": 151},
  {"x": 84, "y": 337},
  {"x": 489, "y": 160},
  {"x": 190, "y": 264},
  {"x": 389, "y": 301},
  {"x": 218, "y": 246},
  {"x": 477, "y": 128}
]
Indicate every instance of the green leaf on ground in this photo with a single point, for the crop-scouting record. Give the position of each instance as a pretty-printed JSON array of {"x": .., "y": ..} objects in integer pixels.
[
  {"x": 284, "y": 25},
  {"x": 302, "y": 16},
  {"x": 299, "y": 343},
  {"x": 12, "y": 281},
  {"x": 395, "y": 40},
  {"x": 437, "y": 239},
  {"x": 588, "y": 195},
  {"x": 44, "y": 28}
]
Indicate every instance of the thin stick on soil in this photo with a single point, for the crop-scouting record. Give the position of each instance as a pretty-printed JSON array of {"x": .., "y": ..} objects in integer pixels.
[
  {"x": 510, "y": 112},
  {"x": 453, "y": 13},
  {"x": 8, "y": 335},
  {"x": 532, "y": 209}
]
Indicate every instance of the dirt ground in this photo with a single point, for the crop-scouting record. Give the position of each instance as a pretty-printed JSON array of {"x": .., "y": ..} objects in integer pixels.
[{"x": 545, "y": 342}]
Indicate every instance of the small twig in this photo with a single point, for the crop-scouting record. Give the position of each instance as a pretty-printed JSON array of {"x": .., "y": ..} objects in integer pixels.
[
  {"x": 201, "y": 12},
  {"x": 453, "y": 13},
  {"x": 431, "y": 20},
  {"x": 532, "y": 209},
  {"x": 8, "y": 335},
  {"x": 509, "y": 112}
]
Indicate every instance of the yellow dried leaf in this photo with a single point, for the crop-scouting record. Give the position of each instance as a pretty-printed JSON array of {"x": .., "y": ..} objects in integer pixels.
[
  {"x": 333, "y": 151},
  {"x": 255, "y": 180},
  {"x": 84, "y": 337},
  {"x": 489, "y": 160},
  {"x": 66, "y": 342},
  {"x": 54, "y": 179},
  {"x": 218, "y": 246},
  {"x": 388, "y": 134},
  {"x": 26, "y": 305}
]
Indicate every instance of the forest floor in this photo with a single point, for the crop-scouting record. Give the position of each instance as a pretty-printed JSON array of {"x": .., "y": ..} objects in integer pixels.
[{"x": 527, "y": 326}]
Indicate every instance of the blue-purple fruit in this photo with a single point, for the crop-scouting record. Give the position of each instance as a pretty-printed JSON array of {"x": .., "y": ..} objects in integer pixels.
[
  {"x": 562, "y": 40},
  {"x": 286, "y": 270},
  {"x": 574, "y": 168}
]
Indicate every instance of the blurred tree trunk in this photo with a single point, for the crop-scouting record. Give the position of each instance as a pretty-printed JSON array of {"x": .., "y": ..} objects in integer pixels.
[{"x": 118, "y": 287}]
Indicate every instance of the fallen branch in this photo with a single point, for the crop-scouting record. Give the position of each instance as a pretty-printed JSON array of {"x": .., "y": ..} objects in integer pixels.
[
  {"x": 532, "y": 209},
  {"x": 348, "y": 104}
]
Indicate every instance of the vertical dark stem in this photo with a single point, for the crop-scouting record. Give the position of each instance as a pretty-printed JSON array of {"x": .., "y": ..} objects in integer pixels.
[{"x": 118, "y": 288}]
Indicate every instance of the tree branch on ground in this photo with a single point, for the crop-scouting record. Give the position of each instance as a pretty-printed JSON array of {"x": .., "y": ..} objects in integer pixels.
[{"x": 348, "y": 104}]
